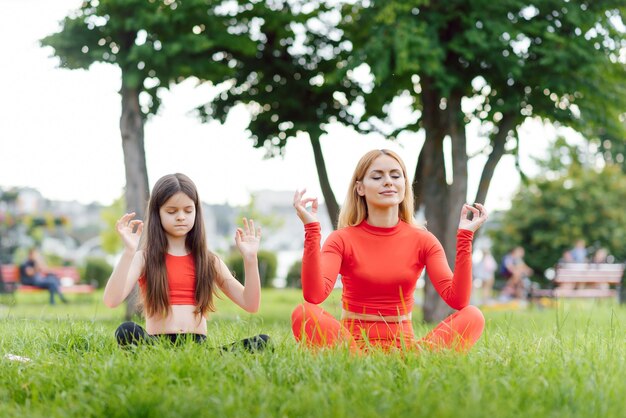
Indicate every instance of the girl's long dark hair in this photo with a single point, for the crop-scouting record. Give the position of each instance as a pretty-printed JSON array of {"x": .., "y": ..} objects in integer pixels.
[{"x": 156, "y": 297}]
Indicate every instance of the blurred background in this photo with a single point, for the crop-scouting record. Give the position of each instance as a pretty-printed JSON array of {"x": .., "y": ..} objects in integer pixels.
[{"x": 519, "y": 106}]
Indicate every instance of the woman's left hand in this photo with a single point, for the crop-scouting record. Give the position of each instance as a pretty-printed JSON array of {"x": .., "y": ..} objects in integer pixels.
[
  {"x": 248, "y": 239},
  {"x": 479, "y": 217}
]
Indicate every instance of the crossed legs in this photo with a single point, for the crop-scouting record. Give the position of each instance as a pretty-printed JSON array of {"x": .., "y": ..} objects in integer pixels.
[{"x": 316, "y": 327}]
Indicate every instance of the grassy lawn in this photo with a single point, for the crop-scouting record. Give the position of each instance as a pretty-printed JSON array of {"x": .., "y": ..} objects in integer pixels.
[{"x": 561, "y": 362}]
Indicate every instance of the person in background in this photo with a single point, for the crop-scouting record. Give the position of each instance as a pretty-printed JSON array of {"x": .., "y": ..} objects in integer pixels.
[
  {"x": 600, "y": 256},
  {"x": 33, "y": 273},
  {"x": 578, "y": 254},
  {"x": 485, "y": 271},
  {"x": 517, "y": 272}
]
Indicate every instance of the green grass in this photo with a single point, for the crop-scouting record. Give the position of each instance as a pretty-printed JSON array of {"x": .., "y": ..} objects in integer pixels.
[{"x": 562, "y": 362}]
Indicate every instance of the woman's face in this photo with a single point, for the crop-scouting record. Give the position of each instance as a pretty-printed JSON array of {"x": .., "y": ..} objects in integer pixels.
[{"x": 383, "y": 184}]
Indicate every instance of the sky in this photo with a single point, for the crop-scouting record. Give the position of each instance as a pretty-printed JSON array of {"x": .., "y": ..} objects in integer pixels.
[{"x": 59, "y": 132}]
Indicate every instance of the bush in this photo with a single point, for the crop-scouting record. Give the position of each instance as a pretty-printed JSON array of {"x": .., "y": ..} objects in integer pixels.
[
  {"x": 268, "y": 263},
  {"x": 97, "y": 270},
  {"x": 294, "y": 275}
]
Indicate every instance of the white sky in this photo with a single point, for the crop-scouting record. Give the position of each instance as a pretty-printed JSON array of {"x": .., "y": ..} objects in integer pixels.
[{"x": 59, "y": 132}]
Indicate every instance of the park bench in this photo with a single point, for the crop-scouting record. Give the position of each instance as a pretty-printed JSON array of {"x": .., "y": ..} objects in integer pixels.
[
  {"x": 68, "y": 275},
  {"x": 584, "y": 280}
]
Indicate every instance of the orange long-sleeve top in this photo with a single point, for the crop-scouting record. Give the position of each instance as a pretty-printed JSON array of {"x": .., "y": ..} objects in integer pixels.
[{"x": 379, "y": 267}]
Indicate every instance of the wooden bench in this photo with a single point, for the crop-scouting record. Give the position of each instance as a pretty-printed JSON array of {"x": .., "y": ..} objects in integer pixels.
[
  {"x": 68, "y": 276},
  {"x": 584, "y": 280}
]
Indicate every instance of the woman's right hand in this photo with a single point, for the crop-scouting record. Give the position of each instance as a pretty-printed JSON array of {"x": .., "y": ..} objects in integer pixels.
[
  {"x": 129, "y": 230},
  {"x": 300, "y": 202}
]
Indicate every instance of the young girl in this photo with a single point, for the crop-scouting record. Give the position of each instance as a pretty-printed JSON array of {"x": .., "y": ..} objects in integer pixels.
[
  {"x": 380, "y": 254},
  {"x": 177, "y": 274}
]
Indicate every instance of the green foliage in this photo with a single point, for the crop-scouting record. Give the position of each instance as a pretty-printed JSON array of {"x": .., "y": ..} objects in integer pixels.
[
  {"x": 548, "y": 215},
  {"x": 294, "y": 275},
  {"x": 509, "y": 55},
  {"x": 269, "y": 221},
  {"x": 111, "y": 241},
  {"x": 19, "y": 255},
  {"x": 98, "y": 270},
  {"x": 296, "y": 79},
  {"x": 268, "y": 263},
  {"x": 54, "y": 260}
]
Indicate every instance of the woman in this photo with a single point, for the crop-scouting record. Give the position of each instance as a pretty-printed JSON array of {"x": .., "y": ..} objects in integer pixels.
[{"x": 380, "y": 253}]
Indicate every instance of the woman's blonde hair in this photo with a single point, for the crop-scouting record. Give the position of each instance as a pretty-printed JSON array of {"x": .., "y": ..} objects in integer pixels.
[{"x": 354, "y": 209}]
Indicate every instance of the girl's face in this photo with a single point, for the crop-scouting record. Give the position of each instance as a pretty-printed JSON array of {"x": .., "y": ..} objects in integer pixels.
[
  {"x": 383, "y": 184},
  {"x": 178, "y": 215}
]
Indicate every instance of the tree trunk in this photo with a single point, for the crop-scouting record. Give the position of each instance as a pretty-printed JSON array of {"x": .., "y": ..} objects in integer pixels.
[
  {"x": 442, "y": 202},
  {"x": 497, "y": 151},
  {"x": 322, "y": 174},
  {"x": 137, "y": 189},
  {"x": 435, "y": 200},
  {"x": 457, "y": 195},
  {"x": 418, "y": 180},
  {"x": 434, "y": 188}
]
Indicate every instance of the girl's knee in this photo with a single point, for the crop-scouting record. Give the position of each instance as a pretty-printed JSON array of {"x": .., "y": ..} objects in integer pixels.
[
  {"x": 129, "y": 333},
  {"x": 126, "y": 326}
]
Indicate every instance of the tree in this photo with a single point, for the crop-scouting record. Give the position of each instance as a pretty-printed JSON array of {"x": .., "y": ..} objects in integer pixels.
[
  {"x": 292, "y": 85},
  {"x": 574, "y": 200},
  {"x": 155, "y": 44},
  {"x": 494, "y": 63}
]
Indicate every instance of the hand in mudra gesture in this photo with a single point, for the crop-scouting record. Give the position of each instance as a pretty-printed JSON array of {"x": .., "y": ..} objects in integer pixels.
[
  {"x": 479, "y": 217},
  {"x": 248, "y": 239},
  {"x": 129, "y": 230},
  {"x": 300, "y": 202}
]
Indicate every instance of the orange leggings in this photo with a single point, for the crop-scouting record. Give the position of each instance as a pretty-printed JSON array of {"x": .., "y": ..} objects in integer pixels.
[{"x": 318, "y": 328}]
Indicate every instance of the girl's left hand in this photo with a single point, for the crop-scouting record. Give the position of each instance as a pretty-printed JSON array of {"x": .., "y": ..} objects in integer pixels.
[
  {"x": 248, "y": 238},
  {"x": 479, "y": 217}
]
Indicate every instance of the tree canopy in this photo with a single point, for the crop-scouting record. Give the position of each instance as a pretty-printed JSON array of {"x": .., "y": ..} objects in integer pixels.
[{"x": 293, "y": 84}]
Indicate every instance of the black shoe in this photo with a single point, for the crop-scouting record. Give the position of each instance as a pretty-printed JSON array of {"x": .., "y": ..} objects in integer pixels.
[{"x": 254, "y": 344}]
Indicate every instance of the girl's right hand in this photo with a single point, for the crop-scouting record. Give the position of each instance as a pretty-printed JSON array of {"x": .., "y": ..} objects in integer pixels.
[
  {"x": 300, "y": 202},
  {"x": 129, "y": 230}
]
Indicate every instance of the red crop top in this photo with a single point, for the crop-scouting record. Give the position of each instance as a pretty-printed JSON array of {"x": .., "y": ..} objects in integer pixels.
[
  {"x": 380, "y": 267},
  {"x": 181, "y": 279}
]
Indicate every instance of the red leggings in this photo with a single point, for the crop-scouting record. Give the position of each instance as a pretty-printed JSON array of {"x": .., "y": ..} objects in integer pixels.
[{"x": 318, "y": 328}]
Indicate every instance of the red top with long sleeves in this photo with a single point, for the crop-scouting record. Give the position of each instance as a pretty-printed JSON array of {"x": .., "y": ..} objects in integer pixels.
[{"x": 379, "y": 267}]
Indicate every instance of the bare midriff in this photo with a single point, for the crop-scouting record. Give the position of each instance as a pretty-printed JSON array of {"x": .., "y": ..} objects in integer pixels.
[
  {"x": 371, "y": 318},
  {"x": 181, "y": 320}
]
